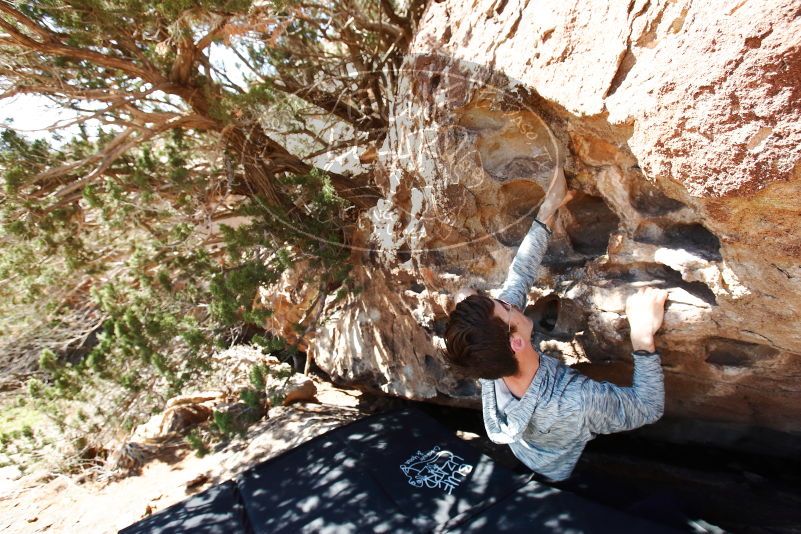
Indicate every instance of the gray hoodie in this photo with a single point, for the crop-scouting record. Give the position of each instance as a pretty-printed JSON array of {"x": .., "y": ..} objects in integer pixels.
[{"x": 562, "y": 409}]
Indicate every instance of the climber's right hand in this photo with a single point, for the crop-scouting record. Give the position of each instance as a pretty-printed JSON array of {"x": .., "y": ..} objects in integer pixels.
[{"x": 645, "y": 310}]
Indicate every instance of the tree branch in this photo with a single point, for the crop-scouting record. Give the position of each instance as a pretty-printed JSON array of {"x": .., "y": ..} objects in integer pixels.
[
  {"x": 118, "y": 146},
  {"x": 386, "y": 8},
  {"x": 330, "y": 103},
  {"x": 58, "y": 48},
  {"x": 45, "y": 33},
  {"x": 214, "y": 33}
]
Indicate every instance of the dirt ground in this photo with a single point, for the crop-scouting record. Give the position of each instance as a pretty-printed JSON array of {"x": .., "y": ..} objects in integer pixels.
[
  {"x": 718, "y": 491},
  {"x": 39, "y": 502}
]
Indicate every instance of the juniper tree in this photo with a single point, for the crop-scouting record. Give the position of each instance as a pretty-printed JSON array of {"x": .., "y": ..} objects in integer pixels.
[{"x": 107, "y": 233}]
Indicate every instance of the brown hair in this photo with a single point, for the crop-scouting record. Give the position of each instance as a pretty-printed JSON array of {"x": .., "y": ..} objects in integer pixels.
[{"x": 477, "y": 341}]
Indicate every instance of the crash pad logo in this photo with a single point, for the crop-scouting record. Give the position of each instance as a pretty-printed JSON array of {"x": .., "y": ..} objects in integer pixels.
[{"x": 436, "y": 469}]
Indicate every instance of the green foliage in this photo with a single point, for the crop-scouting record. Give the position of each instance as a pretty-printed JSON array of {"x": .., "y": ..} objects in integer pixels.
[
  {"x": 197, "y": 442},
  {"x": 226, "y": 424},
  {"x": 282, "y": 371},
  {"x": 48, "y": 360},
  {"x": 268, "y": 344},
  {"x": 254, "y": 399},
  {"x": 35, "y": 388},
  {"x": 233, "y": 293},
  {"x": 22, "y": 440},
  {"x": 276, "y": 397},
  {"x": 106, "y": 237},
  {"x": 258, "y": 376}
]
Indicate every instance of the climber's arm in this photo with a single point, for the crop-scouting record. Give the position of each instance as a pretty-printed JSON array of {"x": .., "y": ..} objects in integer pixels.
[
  {"x": 523, "y": 270},
  {"x": 609, "y": 408}
]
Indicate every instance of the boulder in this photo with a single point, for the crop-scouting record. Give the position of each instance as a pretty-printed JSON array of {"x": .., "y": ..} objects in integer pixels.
[
  {"x": 180, "y": 414},
  {"x": 678, "y": 124},
  {"x": 299, "y": 388},
  {"x": 184, "y": 417},
  {"x": 284, "y": 387}
]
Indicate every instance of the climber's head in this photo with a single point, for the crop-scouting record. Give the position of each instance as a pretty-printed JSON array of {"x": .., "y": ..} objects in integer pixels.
[{"x": 483, "y": 335}]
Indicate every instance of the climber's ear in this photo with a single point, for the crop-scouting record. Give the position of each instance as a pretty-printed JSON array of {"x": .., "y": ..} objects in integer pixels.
[{"x": 516, "y": 343}]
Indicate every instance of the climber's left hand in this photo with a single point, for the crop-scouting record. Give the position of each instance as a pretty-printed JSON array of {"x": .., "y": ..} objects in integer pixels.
[{"x": 557, "y": 196}]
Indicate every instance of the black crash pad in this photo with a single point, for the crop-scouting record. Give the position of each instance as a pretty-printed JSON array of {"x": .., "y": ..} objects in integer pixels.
[
  {"x": 395, "y": 472},
  {"x": 218, "y": 510}
]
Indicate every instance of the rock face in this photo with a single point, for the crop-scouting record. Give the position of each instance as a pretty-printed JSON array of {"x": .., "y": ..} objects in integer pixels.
[{"x": 679, "y": 124}]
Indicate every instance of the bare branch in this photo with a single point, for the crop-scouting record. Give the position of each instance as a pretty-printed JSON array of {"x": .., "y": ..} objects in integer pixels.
[
  {"x": 330, "y": 103},
  {"x": 350, "y": 143},
  {"x": 229, "y": 82},
  {"x": 386, "y": 7},
  {"x": 216, "y": 31}
]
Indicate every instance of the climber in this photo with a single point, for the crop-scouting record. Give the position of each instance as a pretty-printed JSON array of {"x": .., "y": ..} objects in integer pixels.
[{"x": 545, "y": 411}]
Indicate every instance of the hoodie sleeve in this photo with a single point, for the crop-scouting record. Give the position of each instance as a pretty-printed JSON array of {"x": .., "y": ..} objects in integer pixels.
[
  {"x": 504, "y": 427},
  {"x": 523, "y": 270},
  {"x": 610, "y": 408}
]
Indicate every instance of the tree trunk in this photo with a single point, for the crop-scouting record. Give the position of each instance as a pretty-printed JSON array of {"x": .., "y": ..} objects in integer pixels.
[{"x": 264, "y": 159}]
